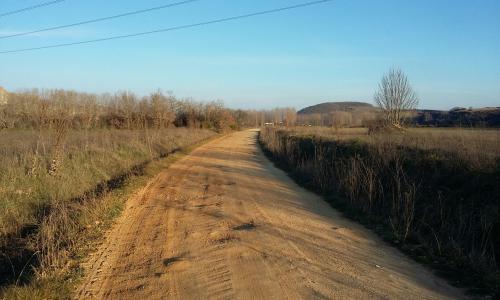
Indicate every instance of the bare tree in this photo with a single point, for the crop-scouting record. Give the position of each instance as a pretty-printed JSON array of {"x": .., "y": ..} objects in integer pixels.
[
  {"x": 290, "y": 116},
  {"x": 395, "y": 97}
]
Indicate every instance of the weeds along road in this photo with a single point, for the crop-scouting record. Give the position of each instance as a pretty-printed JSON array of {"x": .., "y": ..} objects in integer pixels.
[{"x": 223, "y": 222}]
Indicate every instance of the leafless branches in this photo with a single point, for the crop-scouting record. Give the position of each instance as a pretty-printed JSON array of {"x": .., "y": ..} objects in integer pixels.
[
  {"x": 124, "y": 110},
  {"x": 395, "y": 97}
]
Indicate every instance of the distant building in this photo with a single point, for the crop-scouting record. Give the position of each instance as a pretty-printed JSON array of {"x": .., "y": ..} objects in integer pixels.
[{"x": 3, "y": 96}]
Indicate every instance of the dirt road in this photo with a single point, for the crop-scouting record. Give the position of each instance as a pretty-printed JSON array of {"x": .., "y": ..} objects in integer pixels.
[{"x": 223, "y": 222}]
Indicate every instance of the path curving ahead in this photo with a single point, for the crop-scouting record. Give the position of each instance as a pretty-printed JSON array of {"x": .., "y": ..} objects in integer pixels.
[{"x": 224, "y": 223}]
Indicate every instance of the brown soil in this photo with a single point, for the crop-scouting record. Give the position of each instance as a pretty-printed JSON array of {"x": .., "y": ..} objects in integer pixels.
[{"x": 225, "y": 223}]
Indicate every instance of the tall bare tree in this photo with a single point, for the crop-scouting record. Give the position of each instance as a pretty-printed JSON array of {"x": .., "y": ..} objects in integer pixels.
[{"x": 395, "y": 97}]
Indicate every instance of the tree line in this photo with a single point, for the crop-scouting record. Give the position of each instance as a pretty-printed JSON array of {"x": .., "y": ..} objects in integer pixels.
[
  {"x": 39, "y": 109},
  {"x": 125, "y": 110}
]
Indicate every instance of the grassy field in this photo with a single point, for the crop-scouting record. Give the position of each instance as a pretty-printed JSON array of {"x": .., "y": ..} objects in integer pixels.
[
  {"x": 433, "y": 192},
  {"x": 478, "y": 147},
  {"x": 52, "y": 186}
]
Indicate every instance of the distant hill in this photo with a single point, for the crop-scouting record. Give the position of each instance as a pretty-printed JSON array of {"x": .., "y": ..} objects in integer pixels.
[
  {"x": 329, "y": 107},
  {"x": 345, "y": 114}
]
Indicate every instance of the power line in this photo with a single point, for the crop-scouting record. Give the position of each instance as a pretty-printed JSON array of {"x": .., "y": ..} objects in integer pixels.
[
  {"x": 222, "y": 20},
  {"x": 30, "y": 8},
  {"x": 100, "y": 19}
]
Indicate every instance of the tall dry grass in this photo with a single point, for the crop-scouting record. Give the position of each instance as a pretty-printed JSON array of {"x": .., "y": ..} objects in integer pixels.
[
  {"x": 479, "y": 148},
  {"x": 434, "y": 191},
  {"x": 50, "y": 180}
]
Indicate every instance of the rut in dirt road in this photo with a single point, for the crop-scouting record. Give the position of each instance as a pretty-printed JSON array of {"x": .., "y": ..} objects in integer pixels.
[{"x": 224, "y": 223}]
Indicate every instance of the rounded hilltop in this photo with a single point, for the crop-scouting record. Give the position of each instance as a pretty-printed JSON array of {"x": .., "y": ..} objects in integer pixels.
[{"x": 328, "y": 107}]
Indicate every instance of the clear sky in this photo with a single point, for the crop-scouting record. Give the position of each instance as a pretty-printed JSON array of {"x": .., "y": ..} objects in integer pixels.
[{"x": 336, "y": 51}]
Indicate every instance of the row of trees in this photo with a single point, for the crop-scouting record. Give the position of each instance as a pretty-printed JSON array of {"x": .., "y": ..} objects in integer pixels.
[
  {"x": 339, "y": 119},
  {"x": 395, "y": 97},
  {"x": 125, "y": 110},
  {"x": 284, "y": 116}
]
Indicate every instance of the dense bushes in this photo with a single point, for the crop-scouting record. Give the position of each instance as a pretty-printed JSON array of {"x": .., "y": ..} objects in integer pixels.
[
  {"x": 36, "y": 109},
  {"x": 47, "y": 109},
  {"x": 435, "y": 204}
]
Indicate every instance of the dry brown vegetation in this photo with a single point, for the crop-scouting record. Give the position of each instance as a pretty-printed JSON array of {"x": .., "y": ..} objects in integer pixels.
[
  {"x": 339, "y": 118},
  {"x": 124, "y": 110},
  {"x": 49, "y": 109},
  {"x": 85, "y": 158},
  {"x": 50, "y": 185},
  {"x": 479, "y": 148},
  {"x": 433, "y": 192},
  {"x": 62, "y": 151}
]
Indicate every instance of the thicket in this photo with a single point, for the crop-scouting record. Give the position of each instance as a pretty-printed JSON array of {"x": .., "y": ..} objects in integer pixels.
[
  {"x": 49, "y": 108},
  {"x": 46, "y": 109},
  {"x": 437, "y": 204}
]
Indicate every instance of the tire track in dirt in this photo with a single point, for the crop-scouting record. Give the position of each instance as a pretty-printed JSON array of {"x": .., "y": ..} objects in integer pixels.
[{"x": 223, "y": 223}]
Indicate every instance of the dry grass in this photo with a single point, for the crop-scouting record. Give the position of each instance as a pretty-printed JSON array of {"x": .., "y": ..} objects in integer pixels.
[
  {"x": 434, "y": 192},
  {"x": 93, "y": 218},
  {"x": 44, "y": 210},
  {"x": 89, "y": 157},
  {"x": 478, "y": 147}
]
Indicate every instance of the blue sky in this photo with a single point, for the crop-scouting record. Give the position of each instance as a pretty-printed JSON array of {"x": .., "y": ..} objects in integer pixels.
[{"x": 335, "y": 51}]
